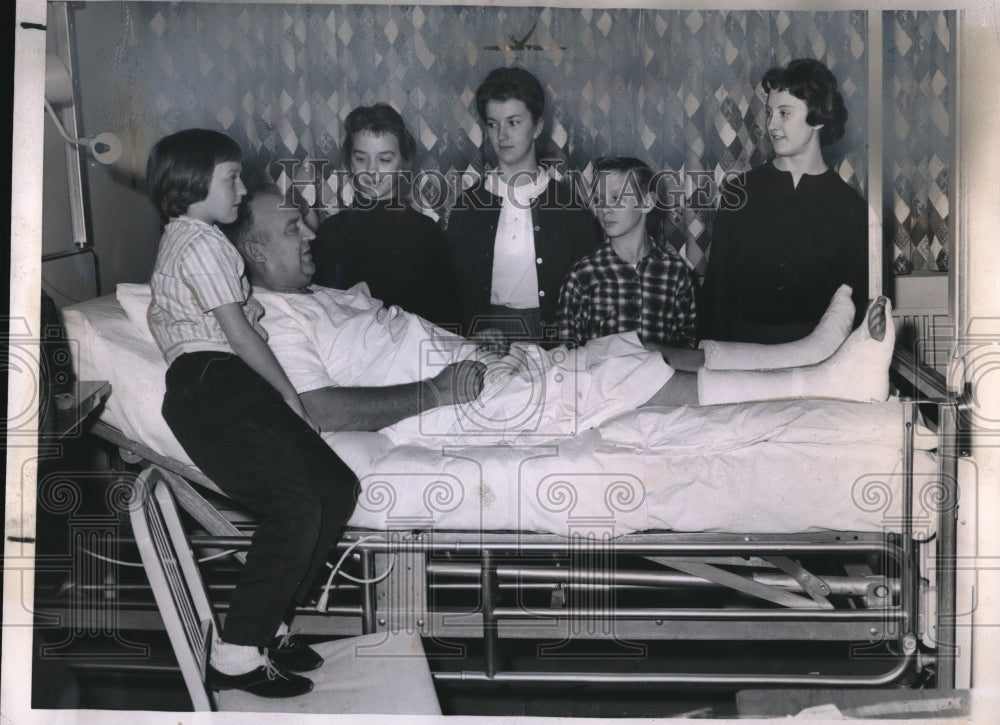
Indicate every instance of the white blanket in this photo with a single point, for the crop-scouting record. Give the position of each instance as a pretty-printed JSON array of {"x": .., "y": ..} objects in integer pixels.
[{"x": 776, "y": 467}]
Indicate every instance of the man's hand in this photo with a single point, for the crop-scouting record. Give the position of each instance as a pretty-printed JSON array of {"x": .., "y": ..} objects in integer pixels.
[
  {"x": 491, "y": 341},
  {"x": 679, "y": 358},
  {"x": 459, "y": 382}
]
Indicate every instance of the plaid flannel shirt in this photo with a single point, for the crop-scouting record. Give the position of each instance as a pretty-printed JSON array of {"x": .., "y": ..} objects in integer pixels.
[{"x": 605, "y": 295}]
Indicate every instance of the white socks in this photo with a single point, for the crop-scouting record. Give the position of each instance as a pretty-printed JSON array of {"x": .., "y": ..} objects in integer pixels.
[
  {"x": 858, "y": 370},
  {"x": 831, "y": 331},
  {"x": 236, "y": 659}
]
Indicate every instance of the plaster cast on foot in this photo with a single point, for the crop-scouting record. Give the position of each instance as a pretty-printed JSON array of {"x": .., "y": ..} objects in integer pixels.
[
  {"x": 858, "y": 370},
  {"x": 828, "y": 335}
]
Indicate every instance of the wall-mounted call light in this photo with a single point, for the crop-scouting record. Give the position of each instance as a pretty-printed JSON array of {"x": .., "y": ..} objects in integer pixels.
[{"x": 106, "y": 148}]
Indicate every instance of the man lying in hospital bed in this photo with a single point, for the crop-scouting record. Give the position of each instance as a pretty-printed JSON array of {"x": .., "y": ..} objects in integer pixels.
[
  {"x": 568, "y": 415},
  {"x": 327, "y": 339}
]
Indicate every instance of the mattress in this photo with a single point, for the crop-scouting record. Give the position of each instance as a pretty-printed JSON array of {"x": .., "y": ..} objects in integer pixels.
[{"x": 765, "y": 467}]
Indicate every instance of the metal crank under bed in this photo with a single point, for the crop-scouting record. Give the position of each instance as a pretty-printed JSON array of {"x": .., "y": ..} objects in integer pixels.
[{"x": 646, "y": 587}]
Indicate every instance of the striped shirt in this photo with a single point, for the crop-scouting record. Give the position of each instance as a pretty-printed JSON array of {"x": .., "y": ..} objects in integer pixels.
[
  {"x": 605, "y": 295},
  {"x": 197, "y": 269}
]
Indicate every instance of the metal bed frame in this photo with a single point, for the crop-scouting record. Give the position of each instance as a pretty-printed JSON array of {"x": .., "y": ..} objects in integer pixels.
[{"x": 886, "y": 595}]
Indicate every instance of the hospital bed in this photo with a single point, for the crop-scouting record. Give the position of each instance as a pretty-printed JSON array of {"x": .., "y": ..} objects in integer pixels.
[{"x": 807, "y": 522}]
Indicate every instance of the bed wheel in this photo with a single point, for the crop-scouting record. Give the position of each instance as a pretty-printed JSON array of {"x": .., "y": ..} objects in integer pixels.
[
  {"x": 922, "y": 676},
  {"x": 926, "y": 674}
]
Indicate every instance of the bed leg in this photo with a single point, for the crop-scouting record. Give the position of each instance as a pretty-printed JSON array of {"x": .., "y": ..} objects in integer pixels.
[
  {"x": 401, "y": 596},
  {"x": 491, "y": 639},
  {"x": 948, "y": 452},
  {"x": 367, "y": 591},
  {"x": 908, "y": 575}
]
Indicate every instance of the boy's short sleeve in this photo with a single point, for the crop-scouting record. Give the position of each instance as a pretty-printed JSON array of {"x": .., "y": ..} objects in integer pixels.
[
  {"x": 214, "y": 274},
  {"x": 197, "y": 270}
]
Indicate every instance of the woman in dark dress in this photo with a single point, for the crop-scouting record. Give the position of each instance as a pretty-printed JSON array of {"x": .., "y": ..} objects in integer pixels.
[
  {"x": 790, "y": 232},
  {"x": 379, "y": 238}
]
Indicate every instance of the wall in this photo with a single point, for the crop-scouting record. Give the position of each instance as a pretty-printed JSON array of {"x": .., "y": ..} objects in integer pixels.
[
  {"x": 919, "y": 146},
  {"x": 123, "y": 226}
]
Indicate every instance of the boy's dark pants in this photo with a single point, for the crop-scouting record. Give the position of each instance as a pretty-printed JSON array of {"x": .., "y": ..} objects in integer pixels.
[{"x": 243, "y": 436}]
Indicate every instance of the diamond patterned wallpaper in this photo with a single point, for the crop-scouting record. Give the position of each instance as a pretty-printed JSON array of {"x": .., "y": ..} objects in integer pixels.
[
  {"x": 918, "y": 138},
  {"x": 678, "y": 88}
]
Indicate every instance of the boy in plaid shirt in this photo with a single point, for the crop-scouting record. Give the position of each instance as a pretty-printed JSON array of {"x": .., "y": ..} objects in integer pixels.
[{"x": 633, "y": 281}]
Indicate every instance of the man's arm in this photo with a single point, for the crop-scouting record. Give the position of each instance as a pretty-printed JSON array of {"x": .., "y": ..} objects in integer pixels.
[
  {"x": 679, "y": 358},
  {"x": 253, "y": 350},
  {"x": 368, "y": 409}
]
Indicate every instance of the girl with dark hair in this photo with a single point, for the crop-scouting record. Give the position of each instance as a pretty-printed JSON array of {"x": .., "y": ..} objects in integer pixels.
[
  {"x": 515, "y": 234},
  {"x": 231, "y": 406},
  {"x": 790, "y": 232},
  {"x": 380, "y": 239}
]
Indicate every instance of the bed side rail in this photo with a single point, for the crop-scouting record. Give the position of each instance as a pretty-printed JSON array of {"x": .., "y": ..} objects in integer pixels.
[
  {"x": 948, "y": 412},
  {"x": 925, "y": 380}
]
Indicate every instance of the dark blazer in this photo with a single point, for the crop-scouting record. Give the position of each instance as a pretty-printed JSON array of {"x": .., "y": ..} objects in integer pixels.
[{"x": 564, "y": 229}]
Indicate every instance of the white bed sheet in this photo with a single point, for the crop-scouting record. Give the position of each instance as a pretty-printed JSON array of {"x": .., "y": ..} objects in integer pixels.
[{"x": 770, "y": 467}]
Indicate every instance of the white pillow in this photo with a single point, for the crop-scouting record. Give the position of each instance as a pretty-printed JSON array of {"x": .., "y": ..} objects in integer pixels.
[{"x": 135, "y": 299}]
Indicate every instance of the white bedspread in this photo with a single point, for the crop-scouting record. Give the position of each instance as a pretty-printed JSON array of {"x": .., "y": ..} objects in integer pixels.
[{"x": 775, "y": 467}]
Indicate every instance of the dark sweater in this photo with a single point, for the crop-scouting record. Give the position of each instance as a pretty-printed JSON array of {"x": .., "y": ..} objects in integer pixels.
[
  {"x": 401, "y": 254},
  {"x": 779, "y": 252},
  {"x": 564, "y": 231}
]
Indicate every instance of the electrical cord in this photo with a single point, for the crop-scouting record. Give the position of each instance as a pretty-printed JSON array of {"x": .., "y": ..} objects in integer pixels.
[
  {"x": 108, "y": 559},
  {"x": 335, "y": 570}
]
